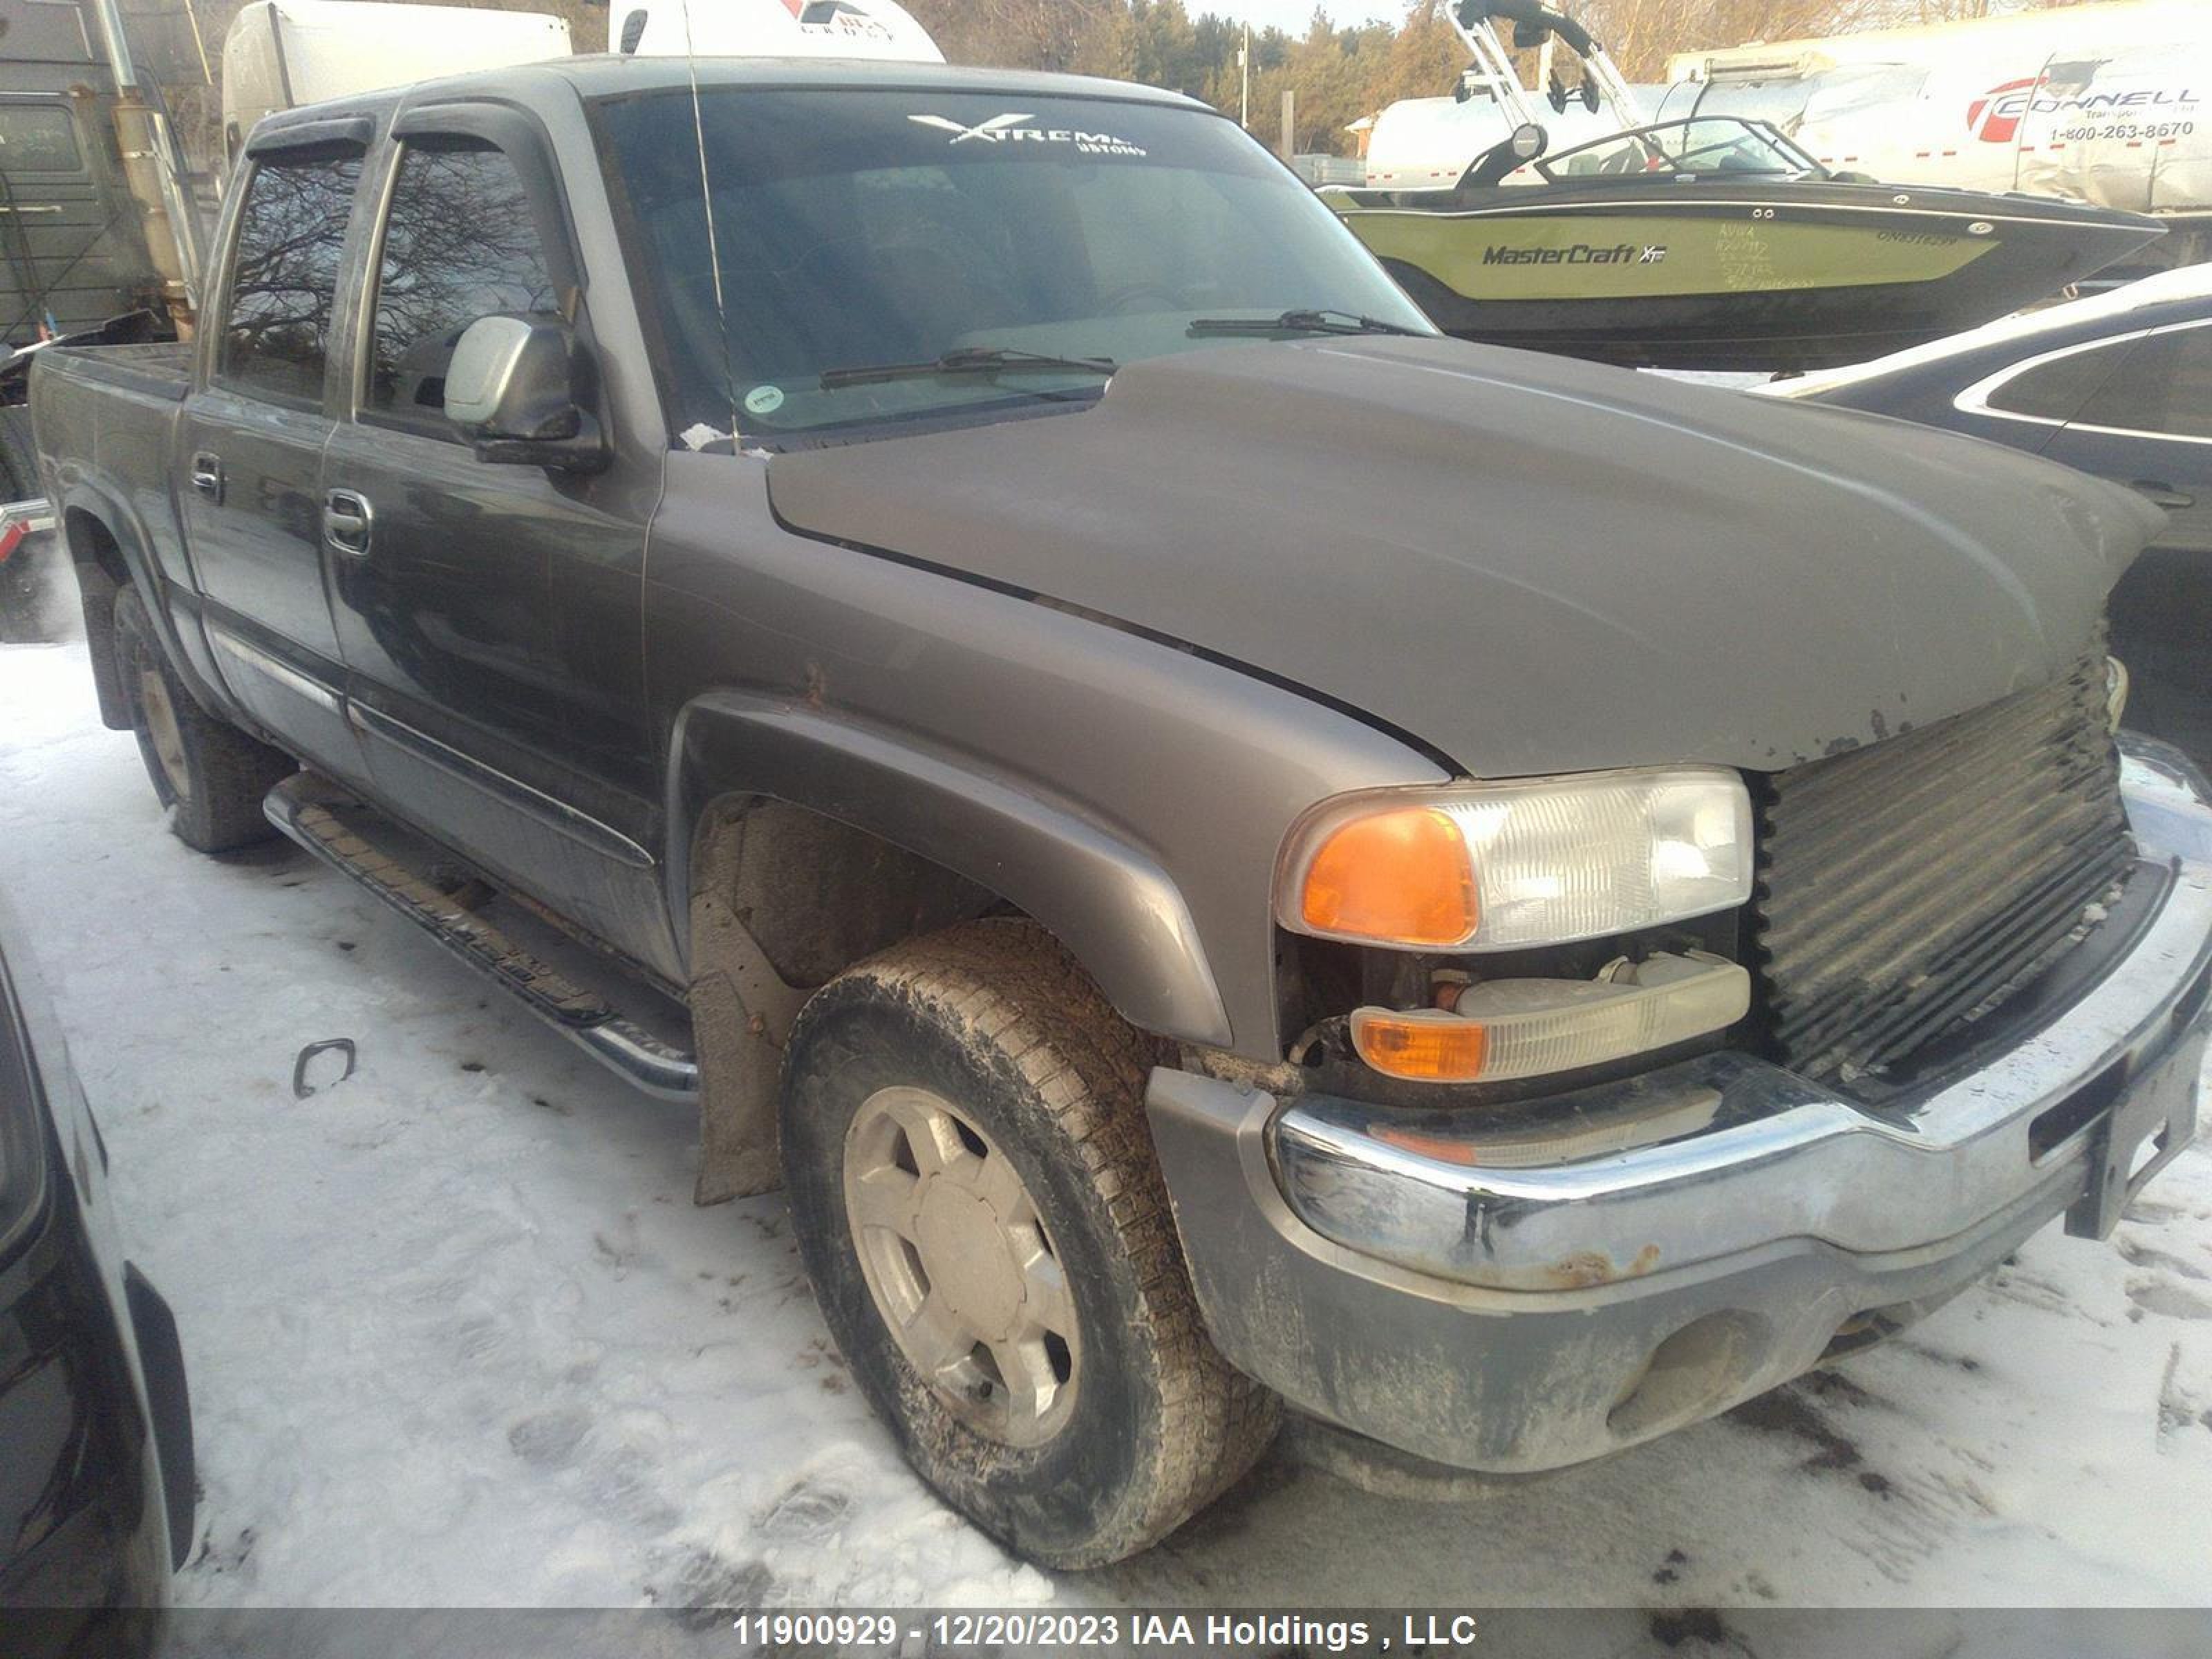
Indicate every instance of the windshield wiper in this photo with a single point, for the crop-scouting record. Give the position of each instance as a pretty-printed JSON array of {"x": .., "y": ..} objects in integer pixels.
[
  {"x": 966, "y": 359},
  {"x": 1318, "y": 321}
]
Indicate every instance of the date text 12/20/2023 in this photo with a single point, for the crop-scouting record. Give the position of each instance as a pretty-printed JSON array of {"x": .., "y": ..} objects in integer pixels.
[{"x": 994, "y": 1631}]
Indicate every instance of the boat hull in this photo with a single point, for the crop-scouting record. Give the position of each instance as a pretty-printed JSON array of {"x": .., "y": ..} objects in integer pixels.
[{"x": 1694, "y": 274}]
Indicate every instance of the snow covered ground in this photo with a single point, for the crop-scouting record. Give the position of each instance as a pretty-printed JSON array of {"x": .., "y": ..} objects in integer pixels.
[{"x": 457, "y": 1335}]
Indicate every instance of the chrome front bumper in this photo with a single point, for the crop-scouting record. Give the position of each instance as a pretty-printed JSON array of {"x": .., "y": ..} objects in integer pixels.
[{"x": 1516, "y": 1297}]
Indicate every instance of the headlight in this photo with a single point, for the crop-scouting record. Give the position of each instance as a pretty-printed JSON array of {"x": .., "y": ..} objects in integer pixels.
[{"x": 1503, "y": 866}]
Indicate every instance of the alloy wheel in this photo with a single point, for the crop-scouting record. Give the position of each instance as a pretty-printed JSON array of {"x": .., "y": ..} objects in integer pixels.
[{"x": 960, "y": 1265}]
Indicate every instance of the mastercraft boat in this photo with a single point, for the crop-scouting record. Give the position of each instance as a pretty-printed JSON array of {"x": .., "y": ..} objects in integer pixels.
[{"x": 1713, "y": 242}]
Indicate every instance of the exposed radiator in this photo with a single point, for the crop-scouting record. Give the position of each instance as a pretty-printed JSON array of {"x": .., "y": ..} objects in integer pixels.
[{"x": 1907, "y": 888}]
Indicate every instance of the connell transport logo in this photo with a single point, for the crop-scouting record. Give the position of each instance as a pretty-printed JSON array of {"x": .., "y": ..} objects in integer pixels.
[{"x": 1996, "y": 117}]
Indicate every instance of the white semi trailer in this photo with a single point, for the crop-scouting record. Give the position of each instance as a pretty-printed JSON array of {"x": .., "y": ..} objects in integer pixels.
[
  {"x": 880, "y": 29},
  {"x": 279, "y": 54}
]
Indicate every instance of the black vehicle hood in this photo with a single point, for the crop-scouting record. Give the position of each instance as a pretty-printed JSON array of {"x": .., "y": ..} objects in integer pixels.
[{"x": 1530, "y": 564}]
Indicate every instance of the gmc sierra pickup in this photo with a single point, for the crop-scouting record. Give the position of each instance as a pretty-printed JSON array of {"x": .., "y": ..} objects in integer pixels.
[{"x": 1225, "y": 850}]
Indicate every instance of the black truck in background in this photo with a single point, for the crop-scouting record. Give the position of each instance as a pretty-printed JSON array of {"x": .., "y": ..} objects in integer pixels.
[{"x": 1229, "y": 854}]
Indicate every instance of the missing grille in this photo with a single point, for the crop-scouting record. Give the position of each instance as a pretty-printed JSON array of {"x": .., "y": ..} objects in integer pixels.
[{"x": 1911, "y": 889}]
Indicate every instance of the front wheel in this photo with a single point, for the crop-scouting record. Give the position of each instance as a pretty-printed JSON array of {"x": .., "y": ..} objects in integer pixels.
[{"x": 973, "y": 1189}]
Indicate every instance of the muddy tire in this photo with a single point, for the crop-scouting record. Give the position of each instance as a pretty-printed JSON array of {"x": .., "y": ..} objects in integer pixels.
[
  {"x": 973, "y": 1189},
  {"x": 209, "y": 774}
]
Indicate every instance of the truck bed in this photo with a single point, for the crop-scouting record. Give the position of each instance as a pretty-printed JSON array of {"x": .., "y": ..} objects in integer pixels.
[
  {"x": 163, "y": 369},
  {"x": 111, "y": 410}
]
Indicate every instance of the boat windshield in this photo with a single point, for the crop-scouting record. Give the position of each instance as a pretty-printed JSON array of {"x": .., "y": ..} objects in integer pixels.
[
  {"x": 1703, "y": 145},
  {"x": 895, "y": 257}
]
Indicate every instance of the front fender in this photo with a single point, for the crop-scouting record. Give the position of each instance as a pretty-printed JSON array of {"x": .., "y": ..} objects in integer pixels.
[{"x": 1107, "y": 901}]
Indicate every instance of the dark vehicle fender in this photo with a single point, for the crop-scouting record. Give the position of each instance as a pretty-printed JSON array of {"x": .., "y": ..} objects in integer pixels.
[
  {"x": 1111, "y": 905},
  {"x": 111, "y": 550},
  {"x": 775, "y": 806}
]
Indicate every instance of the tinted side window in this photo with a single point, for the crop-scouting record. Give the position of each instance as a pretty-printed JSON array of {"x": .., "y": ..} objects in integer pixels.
[
  {"x": 2053, "y": 391},
  {"x": 290, "y": 233},
  {"x": 2166, "y": 388},
  {"x": 461, "y": 243}
]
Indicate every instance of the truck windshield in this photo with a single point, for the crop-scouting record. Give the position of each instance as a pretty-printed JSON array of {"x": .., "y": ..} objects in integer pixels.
[{"x": 892, "y": 229}]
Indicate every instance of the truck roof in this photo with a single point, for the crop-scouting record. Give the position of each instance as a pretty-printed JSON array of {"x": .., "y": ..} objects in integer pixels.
[{"x": 603, "y": 74}]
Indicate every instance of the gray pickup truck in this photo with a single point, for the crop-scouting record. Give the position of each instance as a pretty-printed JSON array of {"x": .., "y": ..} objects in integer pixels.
[{"x": 1227, "y": 852}]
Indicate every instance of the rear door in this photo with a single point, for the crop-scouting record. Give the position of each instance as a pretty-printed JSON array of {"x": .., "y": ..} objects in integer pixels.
[
  {"x": 490, "y": 613},
  {"x": 251, "y": 447},
  {"x": 2149, "y": 426}
]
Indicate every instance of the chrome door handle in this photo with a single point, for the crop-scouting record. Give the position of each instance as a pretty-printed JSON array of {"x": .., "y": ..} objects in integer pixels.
[
  {"x": 207, "y": 475},
  {"x": 347, "y": 522}
]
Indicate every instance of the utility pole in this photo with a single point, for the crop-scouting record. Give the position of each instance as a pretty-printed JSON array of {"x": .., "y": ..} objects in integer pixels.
[
  {"x": 1290, "y": 123},
  {"x": 1244, "y": 63}
]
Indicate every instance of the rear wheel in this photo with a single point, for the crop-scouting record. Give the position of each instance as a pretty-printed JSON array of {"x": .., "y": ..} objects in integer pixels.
[
  {"x": 973, "y": 1189},
  {"x": 210, "y": 774}
]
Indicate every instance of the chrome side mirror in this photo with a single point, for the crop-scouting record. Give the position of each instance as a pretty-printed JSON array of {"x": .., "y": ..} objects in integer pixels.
[{"x": 519, "y": 389}]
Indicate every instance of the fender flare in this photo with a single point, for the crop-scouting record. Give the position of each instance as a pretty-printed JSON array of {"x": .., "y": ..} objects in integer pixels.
[
  {"x": 1101, "y": 896},
  {"x": 84, "y": 497}
]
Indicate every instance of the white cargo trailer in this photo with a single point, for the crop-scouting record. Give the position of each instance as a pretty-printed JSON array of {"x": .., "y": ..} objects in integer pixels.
[
  {"x": 1426, "y": 143},
  {"x": 2105, "y": 103},
  {"x": 279, "y": 54},
  {"x": 879, "y": 29}
]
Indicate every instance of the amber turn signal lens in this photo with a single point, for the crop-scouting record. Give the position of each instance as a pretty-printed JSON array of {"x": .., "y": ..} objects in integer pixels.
[
  {"x": 1428, "y": 1049},
  {"x": 1401, "y": 875}
]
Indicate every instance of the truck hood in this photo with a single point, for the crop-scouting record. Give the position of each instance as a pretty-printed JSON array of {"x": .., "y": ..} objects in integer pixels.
[{"x": 1527, "y": 564}]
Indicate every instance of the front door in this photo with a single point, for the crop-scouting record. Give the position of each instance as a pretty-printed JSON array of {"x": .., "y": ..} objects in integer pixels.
[
  {"x": 489, "y": 613},
  {"x": 253, "y": 444}
]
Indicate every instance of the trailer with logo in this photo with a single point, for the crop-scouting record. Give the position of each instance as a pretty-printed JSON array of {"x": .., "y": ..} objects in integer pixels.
[
  {"x": 2110, "y": 104},
  {"x": 882, "y": 30}
]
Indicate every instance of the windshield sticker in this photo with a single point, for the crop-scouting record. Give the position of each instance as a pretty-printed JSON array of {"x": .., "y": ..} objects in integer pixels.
[
  {"x": 764, "y": 400},
  {"x": 1011, "y": 129}
]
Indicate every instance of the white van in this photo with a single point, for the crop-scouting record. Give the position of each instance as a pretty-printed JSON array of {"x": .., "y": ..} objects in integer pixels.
[{"x": 770, "y": 28}]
